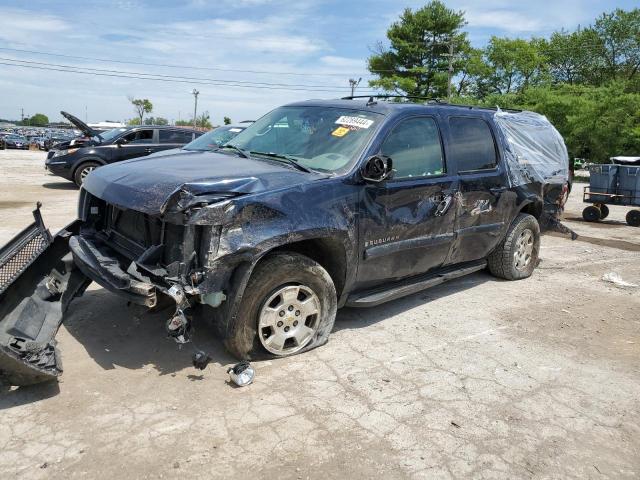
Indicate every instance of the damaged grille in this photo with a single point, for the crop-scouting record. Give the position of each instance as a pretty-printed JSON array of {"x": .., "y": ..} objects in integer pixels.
[
  {"x": 22, "y": 250},
  {"x": 133, "y": 233}
]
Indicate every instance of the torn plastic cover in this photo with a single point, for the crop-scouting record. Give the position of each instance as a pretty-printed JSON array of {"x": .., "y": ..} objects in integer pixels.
[{"x": 536, "y": 151}]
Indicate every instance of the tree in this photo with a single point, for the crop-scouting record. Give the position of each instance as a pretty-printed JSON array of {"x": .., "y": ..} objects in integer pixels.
[
  {"x": 155, "y": 121},
  {"x": 515, "y": 63},
  {"x": 416, "y": 62},
  {"x": 141, "y": 106},
  {"x": 619, "y": 35},
  {"x": 38, "y": 120},
  {"x": 203, "y": 120},
  {"x": 227, "y": 121}
]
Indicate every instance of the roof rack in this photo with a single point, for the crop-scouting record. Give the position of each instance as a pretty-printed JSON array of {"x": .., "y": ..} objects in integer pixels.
[
  {"x": 427, "y": 99},
  {"x": 408, "y": 97}
]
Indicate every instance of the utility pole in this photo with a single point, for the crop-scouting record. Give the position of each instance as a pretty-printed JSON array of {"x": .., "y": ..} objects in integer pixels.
[
  {"x": 450, "y": 70},
  {"x": 195, "y": 107},
  {"x": 353, "y": 83},
  {"x": 22, "y": 115}
]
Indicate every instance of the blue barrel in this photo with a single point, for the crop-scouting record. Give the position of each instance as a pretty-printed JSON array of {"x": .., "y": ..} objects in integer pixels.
[
  {"x": 602, "y": 179},
  {"x": 629, "y": 183}
]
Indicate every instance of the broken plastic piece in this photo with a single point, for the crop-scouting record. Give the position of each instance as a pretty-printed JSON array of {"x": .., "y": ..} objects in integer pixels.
[
  {"x": 201, "y": 360},
  {"x": 616, "y": 279},
  {"x": 242, "y": 374}
]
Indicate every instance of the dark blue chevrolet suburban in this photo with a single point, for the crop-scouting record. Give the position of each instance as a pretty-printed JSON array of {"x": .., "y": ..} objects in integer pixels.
[{"x": 315, "y": 206}]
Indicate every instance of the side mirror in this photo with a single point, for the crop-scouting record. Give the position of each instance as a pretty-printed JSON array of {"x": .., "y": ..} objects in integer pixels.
[
  {"x": 377, "y": 169},
  {"x": 121, "y": 141}
]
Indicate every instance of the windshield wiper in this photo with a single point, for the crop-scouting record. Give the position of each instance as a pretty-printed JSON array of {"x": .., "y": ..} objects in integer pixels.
[
  {"x": 290, "y": 160},
  {"x": 237, "y": 149}
]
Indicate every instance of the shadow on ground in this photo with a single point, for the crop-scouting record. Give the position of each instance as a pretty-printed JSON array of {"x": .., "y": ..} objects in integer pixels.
[
  {"x": 60, "y": 186},
  {"x": 351, "y": 318},
  {"x": 114, "y": 334}
]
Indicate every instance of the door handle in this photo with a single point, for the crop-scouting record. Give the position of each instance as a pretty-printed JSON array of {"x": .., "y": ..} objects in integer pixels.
[
  {"x": 497, "y": 191},
  {"x": 148, "y": 150},
  {"x": 444, "y": 205}
]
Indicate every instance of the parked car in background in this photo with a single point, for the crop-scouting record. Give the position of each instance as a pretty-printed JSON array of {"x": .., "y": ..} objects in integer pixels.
[
  {"x": 75, "y": 159},
  {"x": 210, "y": 141},
  {"x": 16, "y": 141}
]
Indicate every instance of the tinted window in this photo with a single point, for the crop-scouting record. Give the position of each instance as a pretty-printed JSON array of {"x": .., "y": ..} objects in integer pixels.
[
  {"x": 175, "y": 136},
  {"x": 414, "y": 147},
  {"x": 472, "y": 146},
  {"x": 140, "y": 136}
]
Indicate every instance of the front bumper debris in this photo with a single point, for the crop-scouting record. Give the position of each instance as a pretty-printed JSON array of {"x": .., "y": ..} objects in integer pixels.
[{"x": 38, "y": 281}]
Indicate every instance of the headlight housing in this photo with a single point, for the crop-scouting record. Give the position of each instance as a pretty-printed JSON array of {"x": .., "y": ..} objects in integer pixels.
[{"x": 60, "y": 153}]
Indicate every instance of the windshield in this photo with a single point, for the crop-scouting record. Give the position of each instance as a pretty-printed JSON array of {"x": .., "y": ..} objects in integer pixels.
[
  {"x": 213, "y": 139},
  {"x": 111, "y": 134},
  {"x": 320, "y": 138}
]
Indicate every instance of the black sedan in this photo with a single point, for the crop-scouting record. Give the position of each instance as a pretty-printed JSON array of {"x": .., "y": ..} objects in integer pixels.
[{"x": 75, "y": 159}]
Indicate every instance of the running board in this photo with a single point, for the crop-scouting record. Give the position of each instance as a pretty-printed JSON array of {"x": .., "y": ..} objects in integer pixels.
[{"x": 372, "y": 298}]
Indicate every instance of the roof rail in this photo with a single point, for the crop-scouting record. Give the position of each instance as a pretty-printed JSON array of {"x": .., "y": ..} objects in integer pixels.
[{"x": 408, "y": 97}]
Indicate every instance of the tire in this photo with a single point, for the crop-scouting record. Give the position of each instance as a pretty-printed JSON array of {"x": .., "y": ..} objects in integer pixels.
[
  {"x": 265, "y": 317},
  {"x": 83, "y": 170},
  {"x": 591, "y": 214},
  {"x": 633, "y": 218},
  {"x": 604, "y": 211},
  {"x": 517, "y": 255}
]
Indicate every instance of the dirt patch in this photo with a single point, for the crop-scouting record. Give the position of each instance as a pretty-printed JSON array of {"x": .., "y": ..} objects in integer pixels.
[{"x": 5, "y": 205}]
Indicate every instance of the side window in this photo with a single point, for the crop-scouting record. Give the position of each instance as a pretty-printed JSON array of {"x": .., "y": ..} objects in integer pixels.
[
  {"x": 472, "y": 145},
  {"x": 140, "y": 136},
  {"x": 175, "y": 136},
  {"x": 415, "y": 149}
]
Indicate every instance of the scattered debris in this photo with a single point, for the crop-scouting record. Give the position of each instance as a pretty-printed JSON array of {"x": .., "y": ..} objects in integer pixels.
[
  {"x": 455, "y": 424},
  {"x": 616, "y": 279},
  {"x": 242, "y": 374},
  {"x": 44, "y": 465},
  {"x": 200, "y": 360}
]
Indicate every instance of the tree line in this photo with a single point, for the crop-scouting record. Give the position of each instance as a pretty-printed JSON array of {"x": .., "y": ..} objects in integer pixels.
[{"x": 586, "y": 81}]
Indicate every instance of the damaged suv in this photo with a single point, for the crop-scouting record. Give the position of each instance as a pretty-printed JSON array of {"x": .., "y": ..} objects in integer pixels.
[{"x": 316, "y": 206}]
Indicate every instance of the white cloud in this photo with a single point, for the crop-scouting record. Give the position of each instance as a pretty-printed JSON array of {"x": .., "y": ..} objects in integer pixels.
[
  {"x": 506, "y": 20},
  {"x": 24, "y": 25}
]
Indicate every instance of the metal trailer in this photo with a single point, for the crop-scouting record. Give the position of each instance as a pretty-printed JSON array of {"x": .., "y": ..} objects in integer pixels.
[{"x": 612, "y": 184}]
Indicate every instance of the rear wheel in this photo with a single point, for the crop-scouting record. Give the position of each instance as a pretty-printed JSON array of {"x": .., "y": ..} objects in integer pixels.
[
  {"x": 289, "y": 307},
  {"x": 633, "y": 218},
  {"x": 517, "y": 256},
  {"x": 604, "y": 211},
  {"x": 83, "y": 170},
  {"x": 591, "y": 214}
]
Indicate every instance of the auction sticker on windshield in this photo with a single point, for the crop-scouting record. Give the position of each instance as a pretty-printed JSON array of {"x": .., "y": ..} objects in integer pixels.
[{"x": 356, "y": 122}]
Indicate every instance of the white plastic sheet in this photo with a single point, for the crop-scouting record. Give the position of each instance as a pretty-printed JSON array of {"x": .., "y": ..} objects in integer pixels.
[{"x": 535, "y": 149}]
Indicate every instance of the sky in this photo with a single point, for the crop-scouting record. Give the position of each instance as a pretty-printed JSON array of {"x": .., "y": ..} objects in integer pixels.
[{"x": 294, "y": 49}]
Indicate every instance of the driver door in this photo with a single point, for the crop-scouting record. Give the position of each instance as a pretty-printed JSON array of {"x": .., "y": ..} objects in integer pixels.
[{"x": 407, "y": 223}]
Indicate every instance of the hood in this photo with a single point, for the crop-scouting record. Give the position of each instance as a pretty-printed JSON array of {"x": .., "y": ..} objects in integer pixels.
[
  {"x": 154, "y": 185},
  {"x": 83, "y": 127}
]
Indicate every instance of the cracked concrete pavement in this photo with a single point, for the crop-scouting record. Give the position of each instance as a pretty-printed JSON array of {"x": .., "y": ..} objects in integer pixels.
[{"x": 477, "y": 378}]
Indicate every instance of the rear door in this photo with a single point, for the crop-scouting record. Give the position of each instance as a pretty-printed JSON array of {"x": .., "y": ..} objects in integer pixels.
[
  {"x": 485, "y": 202},
  {"x": 169, "y": 138},
  {"x": 406, "y": 223}
]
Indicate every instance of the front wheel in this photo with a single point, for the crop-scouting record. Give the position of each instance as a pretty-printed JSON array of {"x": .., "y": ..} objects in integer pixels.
[
  {"x": 289, "y": 306},
  {"x": 83, "y": 170},
  {"x": 516, "y": 256}
]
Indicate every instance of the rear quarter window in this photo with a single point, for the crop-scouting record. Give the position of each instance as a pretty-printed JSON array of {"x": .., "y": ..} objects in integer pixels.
[{"x": 472, "y": 144}]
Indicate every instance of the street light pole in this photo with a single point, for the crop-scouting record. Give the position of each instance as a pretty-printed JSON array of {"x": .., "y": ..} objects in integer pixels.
[{"x": 195, "y": 107}]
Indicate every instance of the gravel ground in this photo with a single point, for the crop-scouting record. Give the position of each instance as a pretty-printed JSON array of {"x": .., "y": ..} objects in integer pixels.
[{"x": 478, "y": 378}]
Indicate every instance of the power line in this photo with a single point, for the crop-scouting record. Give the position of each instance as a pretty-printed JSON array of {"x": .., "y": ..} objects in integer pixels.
[
  {"x": 181, "y": 77},
  {"x": 167, "y": 65},
  {"x": 168, "y": 80}
]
